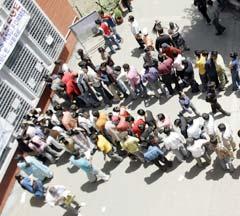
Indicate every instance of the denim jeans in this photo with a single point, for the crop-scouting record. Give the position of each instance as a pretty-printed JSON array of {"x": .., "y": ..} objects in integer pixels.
[{"x": 235, "y": 80}]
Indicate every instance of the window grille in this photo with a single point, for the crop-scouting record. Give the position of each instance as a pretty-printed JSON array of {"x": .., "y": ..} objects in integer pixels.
[
  {"x": 12, "y": 107},
  {"x": 26, "y": 67},
  {"x": 40, "y": 28}
]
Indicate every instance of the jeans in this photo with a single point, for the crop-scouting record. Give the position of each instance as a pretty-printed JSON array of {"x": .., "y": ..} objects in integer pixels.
[
  {"x": 235, "y": 80},
  {"x": 122, "y": 87},
  {"x": 167, "y": 80},
  {"x": 114, "y": 156},
  {"x": 118, "y": 37},
  {"x": 141, "y": 90},
  {"x": 217, "y": 107},
  {"x": 154, "y": 86}
]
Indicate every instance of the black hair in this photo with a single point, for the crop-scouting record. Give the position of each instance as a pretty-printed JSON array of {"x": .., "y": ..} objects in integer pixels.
[
  {"x": 95, "y": 113},
  {"x": 131, "y": 18},
  {"x": 126, "y": 66},
  {"x": 177, "y": 122},
  {"x": 205, "y": 116},
  {"x": 198, "y": 53},
  {"x": 141, "y": 112},
  {"x": 117, "y": 68},
  {"x": 98, "y": 22},
  {"x": 222, "y": 127},
  {"x": 167, "y": 130},
  {"x": 161, "y": 116}
]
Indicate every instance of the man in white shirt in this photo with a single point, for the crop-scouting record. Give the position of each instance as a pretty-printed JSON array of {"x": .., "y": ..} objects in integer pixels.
[
  {"x": 177, "y": 64},
  {"x": 175, "y": 142},
  {"x": 194, "y": 129},
  {"x": 136, "y": 31},
  {"x": 209, "y": 125},
  {"x": 198, "y": 150}
]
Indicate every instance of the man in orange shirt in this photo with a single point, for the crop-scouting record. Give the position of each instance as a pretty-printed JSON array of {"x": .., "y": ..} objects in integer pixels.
[{"x": 101, "y": 119}]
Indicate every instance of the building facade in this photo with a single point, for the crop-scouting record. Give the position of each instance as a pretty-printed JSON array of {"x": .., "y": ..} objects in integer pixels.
[{"x": 45, "y": 38}]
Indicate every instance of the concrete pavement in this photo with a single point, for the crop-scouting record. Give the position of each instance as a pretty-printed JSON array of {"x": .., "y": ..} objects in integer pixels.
[{"x": 137, "y": 191}]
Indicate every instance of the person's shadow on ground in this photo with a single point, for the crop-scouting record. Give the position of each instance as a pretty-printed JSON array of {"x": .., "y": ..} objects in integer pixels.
[
  {"x": 136, "y": 52},
  {"x": 109, "y": 166},
  {"x": 90, "y": 187},
  {"x": 37, "y": 202},
  {"x": 154, "y": 176},
  {"x": 216, "y": 172},
  {"x": 133, "y": 166},
  {"x": 194, "y": 171}
]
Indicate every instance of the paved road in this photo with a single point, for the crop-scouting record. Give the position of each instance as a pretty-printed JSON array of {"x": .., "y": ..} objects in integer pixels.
[{"x": 138, "y": 191}]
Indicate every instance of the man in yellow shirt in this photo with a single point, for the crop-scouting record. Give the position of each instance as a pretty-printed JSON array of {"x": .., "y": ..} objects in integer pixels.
[
  {"x": 201, "y": 57},
  {"x": 105, "y": 147},
  {"x": 131, "y": 145}
]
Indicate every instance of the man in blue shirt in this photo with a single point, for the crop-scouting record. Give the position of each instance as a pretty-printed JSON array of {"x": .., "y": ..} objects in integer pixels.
[
  {"x": 154, "y": 155},
  {"x": 80, "y": 161},
  {"x": 234, "y": 67}
]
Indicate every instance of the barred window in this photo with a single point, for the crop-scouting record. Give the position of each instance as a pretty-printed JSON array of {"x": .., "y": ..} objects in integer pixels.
[
  {"x": 26, "y": 67},
  {"x": 40, "y": 29},
  {"x": 12, "y": 107}
]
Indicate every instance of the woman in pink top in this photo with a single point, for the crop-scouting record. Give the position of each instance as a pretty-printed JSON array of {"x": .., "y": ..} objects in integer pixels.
[{"x": 40, "y": 147}]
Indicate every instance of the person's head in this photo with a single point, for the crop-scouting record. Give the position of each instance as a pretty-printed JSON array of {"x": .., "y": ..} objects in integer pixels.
[
  {"x": 214, "y": 55},
  {"x": 123, "y": 135},
  {"x": 205, "y": 53},
  {"x": 222, "y": 127},
  {"x": 116, "y": 109},
  {"x": 214, "y": 140},
  {"x": 177, "y": 122},
  {"x": 197, "y": 53},
  {"x": 190, "y": 141},
  {"x": 167, "y": 131},
  {"x": 161, "y": 57},
  {"x": 82, "y": 64},
  {"x": 164, "y": 46},
  {"x": 205, "y": 116},
  {"x": 129, "y": 119},
  {"x": 53, "y": 191},
  {"x": 110, "y": 115},
  {"x": 98, "y": 22},
  {"x": 59, "y": 114},
  {"x": 233, "y": 55},
  {"x": 238, "y": 133},
  {"x": 96, "y": 114},
  {"x": 19, "y": 158},
  {"x": 94, "y": 138},
  {"x": 141, "y": 127},
  {"x": 161, "y": 116},
  {"x": 117, "y": 68},
  {"x": 185, "y": 62},
  {"x": 18, "y": 178},
  {"x": 141, "y": 112},
  {"x": 181, "y": 94},
  {"x": 80, "y": 52},
  {"x": 175, "y": 53},
  {"x": 147, "y": 50},
  {"x": 160, "y": 31},
  {"x": 49, "y": 112},
  {"x": 103, "y": 66},
  {"x": 101, "y": 13},
  {"x": 126, "y": 67},
  {"x": 131, "y": 19},
  {"x": 58, "y": 62},
  {"x": 190, "y": 120},
  {"x": 171, "y": 25},
  {"x": 101, "y": 50}
]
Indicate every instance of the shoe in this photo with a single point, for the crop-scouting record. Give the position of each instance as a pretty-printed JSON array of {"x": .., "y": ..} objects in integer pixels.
[
  {"x": 141, "y": 47},
  {"x": 82, "y": 204},
  {"x": 228, "y": 114}
]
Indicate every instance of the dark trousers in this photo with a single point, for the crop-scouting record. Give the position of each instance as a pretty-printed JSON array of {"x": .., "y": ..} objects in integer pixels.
[
  {"x": 140, "y": 42},
  {"x": 167, "y": 80},
  {"x": 216, "y": 107},
  {"x": 105, "y": 95},
  {"x": 219, "y": 28},
  {"x": 215, "y": 80},
  {"x": 204, "y": 80},
  {"x": 91, "y": 65},
  {"x": 127, "y": 4},
  {"x": 203, "y": 11}
]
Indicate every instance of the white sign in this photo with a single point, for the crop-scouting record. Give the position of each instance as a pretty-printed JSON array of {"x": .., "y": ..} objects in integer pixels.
[{"x": 12, "y": 30}]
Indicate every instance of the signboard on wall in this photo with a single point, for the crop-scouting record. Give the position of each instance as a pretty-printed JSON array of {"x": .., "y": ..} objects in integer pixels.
[{"x": 12, "y": 30}]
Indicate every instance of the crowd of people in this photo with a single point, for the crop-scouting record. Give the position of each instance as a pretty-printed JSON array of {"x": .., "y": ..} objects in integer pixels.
[{"x": 76, "y": 125}]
